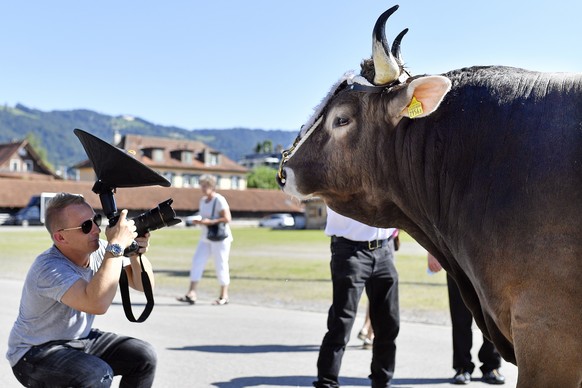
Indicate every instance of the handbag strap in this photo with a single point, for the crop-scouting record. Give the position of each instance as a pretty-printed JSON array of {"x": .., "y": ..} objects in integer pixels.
[{"x": 213, "y": 207}]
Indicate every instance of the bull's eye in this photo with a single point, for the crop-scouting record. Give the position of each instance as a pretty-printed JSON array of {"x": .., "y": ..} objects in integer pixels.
[{"x": 340, "y": 122}]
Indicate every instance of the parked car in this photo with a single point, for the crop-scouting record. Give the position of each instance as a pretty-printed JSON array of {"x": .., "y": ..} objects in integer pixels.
[
  {"x": 277, "y": 220},
  {"x": 29, "y": 215}
]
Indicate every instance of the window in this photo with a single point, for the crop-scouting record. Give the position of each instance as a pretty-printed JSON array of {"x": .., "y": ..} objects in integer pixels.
[
  {"x": 158, "y": 155},
  {"x": 28, "y": 165},
  {"x": 169, "y": 176},
  {"x": 234, "y": 182},
  {"x": 14, "y": 165},
  {"x": 185, "y": 180},
  {"x": 187, "y": 157},
  {"x": 189, "y": 180},
  {"x": 213, "y": 159}
]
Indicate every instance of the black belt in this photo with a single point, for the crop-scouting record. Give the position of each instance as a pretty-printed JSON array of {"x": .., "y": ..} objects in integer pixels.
[{"x": 369, "y": 245}]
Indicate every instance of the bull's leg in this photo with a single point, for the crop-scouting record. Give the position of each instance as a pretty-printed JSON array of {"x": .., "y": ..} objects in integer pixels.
[{"x": 548, "y": 347}]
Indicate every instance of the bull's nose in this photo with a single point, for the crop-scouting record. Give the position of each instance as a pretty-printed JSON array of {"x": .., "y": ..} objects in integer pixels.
[{"x": 281, "y": 177}]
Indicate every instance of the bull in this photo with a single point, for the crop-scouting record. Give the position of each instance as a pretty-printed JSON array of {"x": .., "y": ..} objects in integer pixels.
[{"x": 483, "y": 167}]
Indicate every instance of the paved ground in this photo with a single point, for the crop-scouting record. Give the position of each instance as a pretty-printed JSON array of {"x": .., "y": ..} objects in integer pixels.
[{"x": 238, "y": 346}]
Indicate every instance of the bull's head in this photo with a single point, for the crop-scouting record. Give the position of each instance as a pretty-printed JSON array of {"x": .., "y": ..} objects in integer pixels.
[{"x": 347, "y": 146}]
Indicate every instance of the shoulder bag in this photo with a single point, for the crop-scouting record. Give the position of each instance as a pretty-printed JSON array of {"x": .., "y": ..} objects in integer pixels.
[{"x": 216, "y": 232}]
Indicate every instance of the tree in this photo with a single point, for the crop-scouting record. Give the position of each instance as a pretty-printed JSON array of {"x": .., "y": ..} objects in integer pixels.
[
  {"x": 35, "y": 143},
  {"x": 266, "y": 147},
  {"x": 262, "y": 177}
]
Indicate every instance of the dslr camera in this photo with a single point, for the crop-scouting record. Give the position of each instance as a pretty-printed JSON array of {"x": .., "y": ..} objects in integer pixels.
[{"x": 161, "y": 216}]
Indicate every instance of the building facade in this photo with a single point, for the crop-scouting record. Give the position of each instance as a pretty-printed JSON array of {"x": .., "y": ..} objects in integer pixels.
[
  {"x": 180, "y": 161},
  {"x": 20, "y": 160}
]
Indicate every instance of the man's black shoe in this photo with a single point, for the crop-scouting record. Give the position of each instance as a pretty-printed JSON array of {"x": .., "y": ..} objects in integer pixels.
[
  {"x": 461, "y": 377},
  {"x": 493, "y": 377}
]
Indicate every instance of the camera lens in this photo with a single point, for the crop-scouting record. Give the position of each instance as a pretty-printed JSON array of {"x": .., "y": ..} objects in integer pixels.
[{"x": 156, "y": 218}]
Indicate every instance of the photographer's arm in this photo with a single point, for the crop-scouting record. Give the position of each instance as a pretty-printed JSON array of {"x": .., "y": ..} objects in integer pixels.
[
  {"x": 95, "y": 296},
  {"x": 134, "y": 270}
]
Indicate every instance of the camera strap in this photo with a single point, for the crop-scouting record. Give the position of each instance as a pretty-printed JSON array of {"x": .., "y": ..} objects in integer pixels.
[{"x": 147, "y": 289}]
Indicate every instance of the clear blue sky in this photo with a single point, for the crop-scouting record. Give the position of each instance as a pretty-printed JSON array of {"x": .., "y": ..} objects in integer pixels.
[{"x": 255, "y": 63}]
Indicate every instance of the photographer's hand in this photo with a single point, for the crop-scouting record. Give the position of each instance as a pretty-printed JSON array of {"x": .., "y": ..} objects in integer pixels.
[
  {"x": 143, "y": 244},
  {"x": 134, "y": 270},
  {"x": 96, "y": 296},
  {"x": 123, "y": 232}
]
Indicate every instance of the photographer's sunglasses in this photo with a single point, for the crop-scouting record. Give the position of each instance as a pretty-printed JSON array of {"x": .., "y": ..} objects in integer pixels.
[{"x": 87, "y": 225}]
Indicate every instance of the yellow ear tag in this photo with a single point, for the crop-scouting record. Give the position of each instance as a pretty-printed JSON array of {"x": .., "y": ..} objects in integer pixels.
[{"x": 415, "y": 108}]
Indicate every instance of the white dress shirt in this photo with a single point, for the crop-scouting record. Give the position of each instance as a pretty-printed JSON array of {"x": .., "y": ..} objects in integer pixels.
[{"x": 341, "y": 226}]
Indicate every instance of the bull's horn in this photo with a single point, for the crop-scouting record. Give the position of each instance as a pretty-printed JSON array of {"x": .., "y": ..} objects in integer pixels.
[
  {"x": 396, "y": 47},
  {"x": 385, "y": 65}
]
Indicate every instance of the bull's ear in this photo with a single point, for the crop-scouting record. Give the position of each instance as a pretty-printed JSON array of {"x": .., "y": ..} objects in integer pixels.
[{"x": 423, "y": 96}]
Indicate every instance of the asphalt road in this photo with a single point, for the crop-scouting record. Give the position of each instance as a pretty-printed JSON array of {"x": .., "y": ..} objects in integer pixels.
[{"x": 236, "y": 346}]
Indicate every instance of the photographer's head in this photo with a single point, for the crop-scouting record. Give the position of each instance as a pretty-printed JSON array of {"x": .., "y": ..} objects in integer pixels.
[
  {"x": 207, "y": 184},
  {"x": 72, "y": 223},
  {"x": 53, "y": 212}
]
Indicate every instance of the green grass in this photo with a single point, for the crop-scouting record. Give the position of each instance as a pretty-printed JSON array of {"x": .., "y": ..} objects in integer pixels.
[{"x": 271, "y": 267}]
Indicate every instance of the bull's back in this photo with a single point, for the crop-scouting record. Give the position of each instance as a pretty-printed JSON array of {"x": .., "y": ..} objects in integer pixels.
[
  {"x": 520, "y": 135},
  {"x": 513, "y": 141}
]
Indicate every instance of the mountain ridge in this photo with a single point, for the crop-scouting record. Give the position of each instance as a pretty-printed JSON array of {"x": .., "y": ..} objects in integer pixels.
[{"x": 54, "y": 132}]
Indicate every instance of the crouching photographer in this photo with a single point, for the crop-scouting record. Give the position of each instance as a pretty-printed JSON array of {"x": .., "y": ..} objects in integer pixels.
[{"x": 52, "y": 342}]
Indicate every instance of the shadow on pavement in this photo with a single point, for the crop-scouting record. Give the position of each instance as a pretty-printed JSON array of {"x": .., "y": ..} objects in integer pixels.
[
  {"x": 244, "y": 349},
  {"x": 306, "y": 381},
  {"x": 284, "y": 381}
]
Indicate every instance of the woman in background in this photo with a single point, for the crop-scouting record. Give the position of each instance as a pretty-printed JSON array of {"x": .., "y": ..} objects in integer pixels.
[{"x": 213, "y": 209}]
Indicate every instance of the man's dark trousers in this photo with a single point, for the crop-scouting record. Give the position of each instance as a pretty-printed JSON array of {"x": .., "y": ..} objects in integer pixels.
[
  {"x": 462, "y": 322},
  {"x": 353, "y": 268}
]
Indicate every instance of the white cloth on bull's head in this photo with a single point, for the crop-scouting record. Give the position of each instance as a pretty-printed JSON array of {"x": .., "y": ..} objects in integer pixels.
[
  {"x": 351, "y": 78},
  {"x": 342, "y": 226},
  {"x": 307, "y": 129}
]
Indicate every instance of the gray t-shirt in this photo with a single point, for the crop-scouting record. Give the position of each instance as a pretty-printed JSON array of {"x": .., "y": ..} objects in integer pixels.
[{"x": 42, "y": 317}]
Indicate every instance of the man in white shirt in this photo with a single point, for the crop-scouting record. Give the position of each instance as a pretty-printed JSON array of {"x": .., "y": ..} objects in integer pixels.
[{"x": 362, "y": 257}]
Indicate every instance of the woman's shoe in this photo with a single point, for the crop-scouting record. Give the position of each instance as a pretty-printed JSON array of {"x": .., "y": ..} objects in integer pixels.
[
  {"x": 368, "y": 343},
  {"x": 186, "y": 299},
  {"x": 220, "y": 302},
  {"x": 363, "y": 334}
]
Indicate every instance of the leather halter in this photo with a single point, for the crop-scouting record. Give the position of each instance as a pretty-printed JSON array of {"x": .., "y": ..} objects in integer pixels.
[{"x": 356, "y": 87}]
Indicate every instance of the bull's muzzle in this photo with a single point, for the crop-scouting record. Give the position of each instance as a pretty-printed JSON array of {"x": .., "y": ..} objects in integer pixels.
[
  {"x": 281, "y": 177},
  {"x": 285, "y": 156}
]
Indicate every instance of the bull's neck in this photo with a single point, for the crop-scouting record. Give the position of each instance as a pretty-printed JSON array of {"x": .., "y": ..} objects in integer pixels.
[{"x": 418, "y": 185}]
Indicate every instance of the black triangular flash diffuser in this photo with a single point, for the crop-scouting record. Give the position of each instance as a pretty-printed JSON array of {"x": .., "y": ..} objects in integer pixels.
[{"x": 115, "y": 167}]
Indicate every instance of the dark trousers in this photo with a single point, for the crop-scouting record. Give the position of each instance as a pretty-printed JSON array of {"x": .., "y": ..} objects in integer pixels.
[
  {"x": 462, "y": 321},
  {"x": 354, "y": 268},
  {"x": 88, "y": 362}
]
